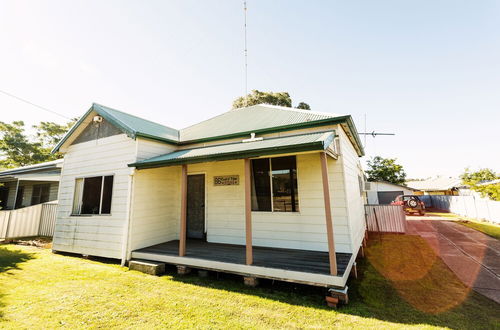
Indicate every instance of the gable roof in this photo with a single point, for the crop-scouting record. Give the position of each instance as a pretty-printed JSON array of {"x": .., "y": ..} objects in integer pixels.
[
  {"x": 237, "y": 150},
  {"x": 248, "y": 120},
  {"x": 435, "y": 184},
  {"x": 240, "y": 122},
  {"x": 394, "y": 184},
  {"x": 131, "y": 125}
]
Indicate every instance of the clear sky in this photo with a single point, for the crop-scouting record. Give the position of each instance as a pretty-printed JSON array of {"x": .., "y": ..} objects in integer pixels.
[{"x": 428, "y": 71}]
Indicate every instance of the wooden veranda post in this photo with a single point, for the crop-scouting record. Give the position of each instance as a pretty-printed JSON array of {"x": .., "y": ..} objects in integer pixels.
[
  {"x": 248, "y": 213},
  {"x": 182, "y": 232},
  {"x": 328, "y": 214}
]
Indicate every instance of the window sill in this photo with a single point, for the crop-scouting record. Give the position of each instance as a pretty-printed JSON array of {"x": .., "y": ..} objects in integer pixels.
[
  {"x": 89, "y": 215},
  {"x": 276, "y": 212}
]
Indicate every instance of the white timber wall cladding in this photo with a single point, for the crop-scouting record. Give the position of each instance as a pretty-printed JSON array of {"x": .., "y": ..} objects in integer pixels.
[
  {"x": 147, "y": 148},
  {"x": 355, "y": 203},
  {"x": 156, "y": 206},
  {"x": 306, "y": 229},
  {"x": 225, "y": 205},
  {"x": 99, "y": 235},
  {"x": 54, "y": 190}
]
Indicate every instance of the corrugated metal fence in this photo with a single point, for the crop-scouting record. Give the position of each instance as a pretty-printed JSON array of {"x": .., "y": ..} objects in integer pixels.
[
  {"x": 37, "y": 220},
  {"x": 385, "y": 218},
  {"x": 469, "y": 206}
]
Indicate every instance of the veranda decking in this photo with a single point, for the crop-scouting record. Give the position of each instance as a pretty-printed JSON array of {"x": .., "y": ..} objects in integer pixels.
[{"x": 311, "y": 267}]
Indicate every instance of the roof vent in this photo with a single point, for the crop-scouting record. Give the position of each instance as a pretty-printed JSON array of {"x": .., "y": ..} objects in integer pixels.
[{"x": 253, "y": 138}]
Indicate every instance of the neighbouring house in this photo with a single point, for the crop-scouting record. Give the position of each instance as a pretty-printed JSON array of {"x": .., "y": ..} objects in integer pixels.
[
  {"x": 437, "y": 186},
  {"x": 262, "y": 191},
  {"x": 383, "y": 192},
  {"x": 29, "y": 185}
]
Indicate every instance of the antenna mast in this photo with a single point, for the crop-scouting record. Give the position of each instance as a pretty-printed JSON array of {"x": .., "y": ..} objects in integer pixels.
[{"x": 246, "y": 55}]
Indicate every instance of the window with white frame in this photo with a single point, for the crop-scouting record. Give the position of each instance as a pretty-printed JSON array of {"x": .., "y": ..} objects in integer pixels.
[
  {"x": 93, "y": 195},
  {"x": 274, "y": 184}
]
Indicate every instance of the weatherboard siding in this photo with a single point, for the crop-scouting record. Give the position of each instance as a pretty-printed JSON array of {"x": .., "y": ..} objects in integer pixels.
[
  {"x": 155, "y": 211},
  {"x": 325, "y": 128},
  {"x": 99, "y": 235},
  {"x": 349, "y": 160},
  {"x": 225, "y": 210},
  {"x": 147, "y": 148}
]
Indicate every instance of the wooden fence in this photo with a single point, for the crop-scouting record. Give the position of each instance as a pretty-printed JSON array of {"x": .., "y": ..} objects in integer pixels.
[
  {"x": 36, "y": 220},
  {"x": 385, "y": 218}
]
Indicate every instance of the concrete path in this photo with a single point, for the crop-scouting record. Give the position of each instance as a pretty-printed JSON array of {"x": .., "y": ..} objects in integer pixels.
[{"x": 473, "y": 256}]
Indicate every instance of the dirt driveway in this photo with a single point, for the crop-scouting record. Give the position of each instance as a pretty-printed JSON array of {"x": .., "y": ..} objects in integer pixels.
[{"x": 473, "y": 256}]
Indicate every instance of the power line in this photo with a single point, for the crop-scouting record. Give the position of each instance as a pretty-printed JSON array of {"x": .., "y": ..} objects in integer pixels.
[{"x": 33, "y": 104}]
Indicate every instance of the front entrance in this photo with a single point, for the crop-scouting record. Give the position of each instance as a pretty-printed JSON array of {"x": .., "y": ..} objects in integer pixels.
[{"x": 196, "y": 206}]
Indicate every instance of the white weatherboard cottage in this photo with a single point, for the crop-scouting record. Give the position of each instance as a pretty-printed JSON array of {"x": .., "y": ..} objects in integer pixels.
[{"x": 261, "y": 191}]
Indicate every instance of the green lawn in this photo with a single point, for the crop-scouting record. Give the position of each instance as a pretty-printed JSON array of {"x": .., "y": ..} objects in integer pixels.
[
  {"x": 403, "y": 285},
  {"x": 489, "y": 229}
]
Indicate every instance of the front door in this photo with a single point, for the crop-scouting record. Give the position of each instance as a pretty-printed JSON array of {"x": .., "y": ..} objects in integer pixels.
[{"x": 196, "y": 206}]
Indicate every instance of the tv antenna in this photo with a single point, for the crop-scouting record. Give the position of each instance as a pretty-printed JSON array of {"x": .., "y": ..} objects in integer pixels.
[
  {"x": 373, "y": 133},
  {"x": 246, "y": 54}
]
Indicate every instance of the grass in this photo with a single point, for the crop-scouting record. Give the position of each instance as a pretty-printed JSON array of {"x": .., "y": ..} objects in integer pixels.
[
  {"x": 442, "y": 214},
  {"x": 489, "y": 229},
  {"x": 403, "y": 285}
]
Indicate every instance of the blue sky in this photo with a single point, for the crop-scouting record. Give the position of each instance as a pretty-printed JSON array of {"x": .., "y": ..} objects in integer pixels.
[{"x": 428, "y": 71}]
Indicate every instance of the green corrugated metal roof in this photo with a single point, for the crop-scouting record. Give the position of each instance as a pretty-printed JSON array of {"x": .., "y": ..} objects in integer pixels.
[
  {"x": 258, "y": 119},
  {"x": 251, "y": 119},
  {"x": 131, "y": 125},
  {"x": 296, "y": 143},
  {"x": 138, "y": 126}
]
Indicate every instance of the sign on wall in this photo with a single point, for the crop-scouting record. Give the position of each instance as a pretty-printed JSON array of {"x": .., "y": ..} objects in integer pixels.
[{"x": 227, "y": 180}]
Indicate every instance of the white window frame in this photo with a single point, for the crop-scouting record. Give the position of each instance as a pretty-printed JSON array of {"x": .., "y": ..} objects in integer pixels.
[{"x": 80, "y": 199}]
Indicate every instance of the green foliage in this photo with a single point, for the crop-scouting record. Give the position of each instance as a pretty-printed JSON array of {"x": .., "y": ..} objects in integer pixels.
[
  {"x": 18, "y": 149},
  {"x": 489, "y": 229},
  {"x": 257, "y": 97},
  {"x": 474, "y": 180},
  {"x": 303, "y": 106},
  {"x": 385, "y": 169}
]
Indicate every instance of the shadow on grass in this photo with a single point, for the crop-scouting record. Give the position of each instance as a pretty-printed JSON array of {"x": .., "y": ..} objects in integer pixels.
[
  {"x": 10, "y": 259},
  {"x": 401, "y": 281}
]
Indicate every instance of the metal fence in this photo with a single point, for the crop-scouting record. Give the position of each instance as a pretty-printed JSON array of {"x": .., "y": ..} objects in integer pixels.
[
  {"x": 468, "y": 206},
  {"x": 385, "y": 218},
  {"x": 36, "y": 220}
]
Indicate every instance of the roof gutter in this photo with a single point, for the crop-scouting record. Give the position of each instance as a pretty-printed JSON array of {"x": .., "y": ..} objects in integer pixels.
[{"x": 311, "y": 146}]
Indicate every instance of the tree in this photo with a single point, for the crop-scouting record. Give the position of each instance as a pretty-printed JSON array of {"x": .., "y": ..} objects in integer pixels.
[
  {"x": 15, "y": 146},
  {"x": 18, "y": 149},
  {"x": 303, "y": 106},
  {"x": 478, "y": 181},
  {"x": 385, "y": 169},
  {"x": 48, "y": 135},
  {"x": 257, "y": 97}
]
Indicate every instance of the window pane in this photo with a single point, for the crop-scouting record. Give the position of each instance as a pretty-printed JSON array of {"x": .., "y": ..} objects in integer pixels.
[
  {"x": 44, "y": 193},
  {"x": 261, "y": 187},
  {"x": 35, "y": 196},
  {"x": 19, "y": 197},
  {"x": 107, "y": 194},
  {"x": 77, "y": 198},
  {"x": 91, "y": 195},
  {"x": 284, "y": 173}
]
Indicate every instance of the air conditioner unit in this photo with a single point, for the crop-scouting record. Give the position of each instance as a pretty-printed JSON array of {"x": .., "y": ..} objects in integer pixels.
[{"x": 368, "y": 186}]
